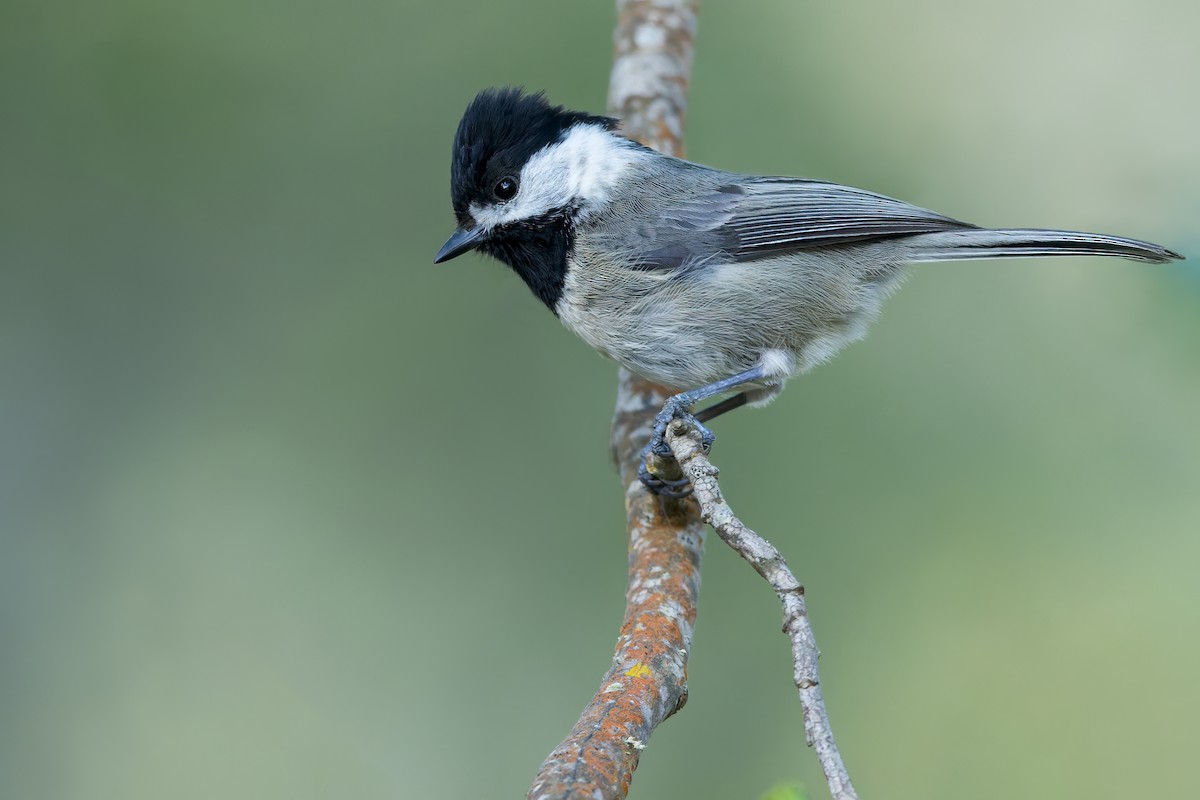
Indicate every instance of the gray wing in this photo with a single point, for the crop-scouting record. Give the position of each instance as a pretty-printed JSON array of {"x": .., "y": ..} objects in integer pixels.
[{"x": 758, "y": 217}]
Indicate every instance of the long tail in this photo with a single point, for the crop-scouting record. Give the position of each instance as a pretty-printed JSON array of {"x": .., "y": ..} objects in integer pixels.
[{"x": 955, "y": 245}]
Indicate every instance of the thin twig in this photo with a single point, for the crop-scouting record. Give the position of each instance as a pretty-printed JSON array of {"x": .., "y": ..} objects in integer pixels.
[
  {"x": 647, "y": 681},
  {"x": 768, "y": 562}
]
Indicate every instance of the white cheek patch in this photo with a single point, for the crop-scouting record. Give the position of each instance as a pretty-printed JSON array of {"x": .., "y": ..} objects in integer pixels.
[{"x": 582, "y": 168}]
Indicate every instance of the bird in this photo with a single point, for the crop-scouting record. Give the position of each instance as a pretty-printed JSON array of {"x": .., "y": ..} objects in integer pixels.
[{"x": 709, "y": 282}]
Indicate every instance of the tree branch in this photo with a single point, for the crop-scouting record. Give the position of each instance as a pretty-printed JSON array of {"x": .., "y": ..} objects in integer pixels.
[
  {"x": 768, "y": 562},
  {"x": 647, "y": 681}
]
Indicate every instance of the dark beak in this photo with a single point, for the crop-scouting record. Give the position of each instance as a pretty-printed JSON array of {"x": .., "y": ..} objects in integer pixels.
[{"x": 460, "y": 241}]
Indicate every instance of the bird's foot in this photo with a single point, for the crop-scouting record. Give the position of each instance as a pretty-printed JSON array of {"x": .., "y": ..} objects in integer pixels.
[
  {"x": 675, "y": 408},
  {"x": 663, "y": 487}
]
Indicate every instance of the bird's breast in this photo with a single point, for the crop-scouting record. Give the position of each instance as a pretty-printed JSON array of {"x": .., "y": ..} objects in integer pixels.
[{"x": 644, "y": 320}]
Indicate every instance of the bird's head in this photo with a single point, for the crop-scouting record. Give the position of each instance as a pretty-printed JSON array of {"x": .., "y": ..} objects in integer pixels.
[{"x": 520, "y": 164}]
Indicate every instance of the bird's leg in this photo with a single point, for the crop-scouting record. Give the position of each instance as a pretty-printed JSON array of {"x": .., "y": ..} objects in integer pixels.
[
  {"x": 717, "y": 409},
  {"x": 679, "y": 406}
]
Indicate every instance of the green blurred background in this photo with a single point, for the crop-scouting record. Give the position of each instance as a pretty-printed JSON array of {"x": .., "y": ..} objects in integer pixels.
[{"x": 288, "y": 512}]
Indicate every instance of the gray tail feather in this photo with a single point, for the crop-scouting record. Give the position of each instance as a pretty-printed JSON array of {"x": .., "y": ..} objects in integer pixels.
[{"x": 956, "y": 245}]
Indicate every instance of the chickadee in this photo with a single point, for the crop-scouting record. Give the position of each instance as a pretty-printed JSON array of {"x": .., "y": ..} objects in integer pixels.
[{"x": 707, "y": 281}]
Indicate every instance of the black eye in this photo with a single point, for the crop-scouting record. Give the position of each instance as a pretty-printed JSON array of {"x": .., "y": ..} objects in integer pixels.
[{"x": 506, "y": 189}]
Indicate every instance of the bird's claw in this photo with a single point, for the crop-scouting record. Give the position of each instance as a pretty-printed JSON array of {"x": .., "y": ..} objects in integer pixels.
[
  {"x": 663, "y": 487},
  {"x": 675, "y": 408}
]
